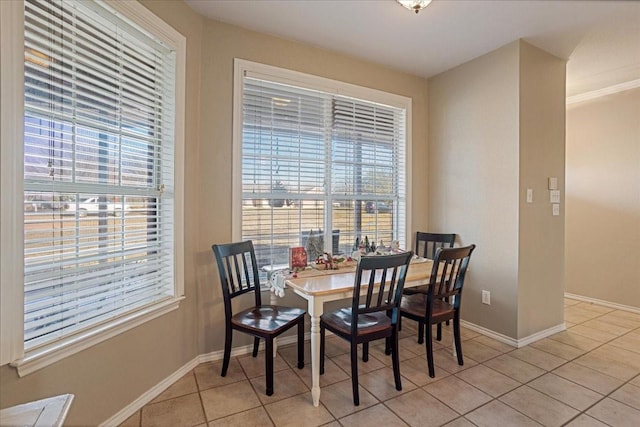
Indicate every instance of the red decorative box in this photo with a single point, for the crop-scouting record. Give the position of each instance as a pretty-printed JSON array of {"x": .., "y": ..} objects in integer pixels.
[{"x": 297, "y": 257}]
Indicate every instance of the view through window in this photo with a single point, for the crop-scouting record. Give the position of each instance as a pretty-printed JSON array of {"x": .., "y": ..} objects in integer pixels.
[{"x": 319, "y": 170}]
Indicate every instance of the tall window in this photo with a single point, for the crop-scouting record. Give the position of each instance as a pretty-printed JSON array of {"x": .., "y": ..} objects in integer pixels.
[
  {"x": 100, "y": 146},
  {"x": 319, "y": 169}
]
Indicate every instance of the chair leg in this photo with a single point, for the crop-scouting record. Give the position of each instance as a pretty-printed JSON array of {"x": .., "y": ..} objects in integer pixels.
[
  {"x": 301, "y": 343},
  {"x": 227, "y": 351},
  {"x": 256, "y": 344},
  {"x": 268, "y": 361},
  {"x": 395, "y": 360},
  {"x": 439, "y": 332},
  {"x": 456, "y": 337},
  {"x": 365, "y": 352},
  {"x": 420, "y": 332},
  {"x": 429, "y": 343},
  {"x": 388, "y": 346},
  {"x": 354, "y": 373},
  {"x": 321, "y": 348}
]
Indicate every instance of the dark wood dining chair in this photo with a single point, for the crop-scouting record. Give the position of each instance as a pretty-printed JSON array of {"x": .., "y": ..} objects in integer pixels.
[
  {"x": 443, "y": 298},
  {"x": 426, "y": 246},
  {"x": 238, "y": 271},
  {"x": 373, "y": 314}
]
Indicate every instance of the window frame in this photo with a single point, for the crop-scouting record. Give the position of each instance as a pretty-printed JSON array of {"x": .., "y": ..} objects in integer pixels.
[
  {"x": 11, "y": 196},
  {"x": 244, "y": 67}
]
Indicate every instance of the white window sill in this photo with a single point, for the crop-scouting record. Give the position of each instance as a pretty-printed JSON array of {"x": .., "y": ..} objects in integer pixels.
[{"x": 41, "y": 357}]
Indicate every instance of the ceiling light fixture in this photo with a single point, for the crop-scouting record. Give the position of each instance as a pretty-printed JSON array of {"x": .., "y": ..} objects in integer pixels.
[{"x": 415, "y": 5}]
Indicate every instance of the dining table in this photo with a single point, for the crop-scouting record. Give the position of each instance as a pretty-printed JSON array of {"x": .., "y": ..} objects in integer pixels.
[{"x": 317, "y": 286}]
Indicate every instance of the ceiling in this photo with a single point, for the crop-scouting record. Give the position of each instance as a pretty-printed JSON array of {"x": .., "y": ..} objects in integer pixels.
[{"x": 600, "y": 39}]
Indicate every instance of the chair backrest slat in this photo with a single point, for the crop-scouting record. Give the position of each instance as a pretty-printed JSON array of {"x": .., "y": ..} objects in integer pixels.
[
  {"x": 238, "y": 271},
  {"x": 428, "y": 243},
  {"x": 389, "y": 271},
  {"x": 447, "y": 275}
]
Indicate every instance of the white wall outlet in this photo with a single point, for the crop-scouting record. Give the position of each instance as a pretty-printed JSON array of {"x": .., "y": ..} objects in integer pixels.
[
  {"x": 553, "y": 183},
  {"x": 529, "y": 195},
  {"x": 486, "y": 297},
  {"x": 555, "y": 209}
]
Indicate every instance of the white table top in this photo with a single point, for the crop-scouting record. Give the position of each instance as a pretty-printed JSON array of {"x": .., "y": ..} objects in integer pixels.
[{"x": 324, "y": 282}]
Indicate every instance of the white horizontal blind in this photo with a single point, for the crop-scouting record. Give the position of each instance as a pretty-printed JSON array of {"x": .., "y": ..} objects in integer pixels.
[
  {"x": 368, "y": 163},
  {"x": 284, "y": 152},
  {"x": 98, "y": 169},
  {"x": 318, "y": 164}
]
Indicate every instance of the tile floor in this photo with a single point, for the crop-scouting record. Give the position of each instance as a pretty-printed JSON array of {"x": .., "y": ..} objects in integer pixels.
[{"x": 588, "y": 375}]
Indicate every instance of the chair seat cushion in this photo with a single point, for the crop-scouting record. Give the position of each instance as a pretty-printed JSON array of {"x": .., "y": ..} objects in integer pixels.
[
  {"x": 416, "y": 305},
  {"x": 271, "y": 319},
  {"x": 416, "y": 290},
  {"x": 340, "y": 321}
]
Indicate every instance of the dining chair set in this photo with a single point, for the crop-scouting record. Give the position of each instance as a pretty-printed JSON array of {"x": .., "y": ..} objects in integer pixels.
[{"x": 379, "y": 302}]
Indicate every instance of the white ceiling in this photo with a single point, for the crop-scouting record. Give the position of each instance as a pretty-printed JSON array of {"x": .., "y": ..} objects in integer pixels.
[{"x": 600, "y": 39}]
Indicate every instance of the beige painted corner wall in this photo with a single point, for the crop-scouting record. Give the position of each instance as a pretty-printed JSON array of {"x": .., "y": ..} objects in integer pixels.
[
  {"x": 542, "y": 155},
  {"x": 107, "y": 377},
  {"x": 473, "y": 178},
  {"x": 221, "y": 44},
  {"x": 496, "y": 127},
  {"x": 603, "y": 198}
]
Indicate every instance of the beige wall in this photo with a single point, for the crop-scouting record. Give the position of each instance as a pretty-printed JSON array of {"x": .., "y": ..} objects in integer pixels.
[
  {"x": 109, "y": 376},
  {"x": 473, "y": 178},
  {"x": 496, "y": 127},
  {"x": 603, "y": 198},
  {"x": 542, "y": 147}
]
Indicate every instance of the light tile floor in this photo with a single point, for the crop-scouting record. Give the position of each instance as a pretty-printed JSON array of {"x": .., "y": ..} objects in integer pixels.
[{"x": 588, "y": 375}]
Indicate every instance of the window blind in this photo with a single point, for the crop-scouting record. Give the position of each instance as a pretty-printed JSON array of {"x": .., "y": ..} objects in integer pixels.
[
  {"x": 98, "y": 168},
  {"x": 318, "y": 165}
]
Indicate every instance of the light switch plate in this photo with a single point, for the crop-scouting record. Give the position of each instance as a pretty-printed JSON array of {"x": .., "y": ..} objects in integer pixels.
[
  {"x": 529, "y": 195},
  {"x": 553, "y": 183},
  {"x": 554, "y": 196},
  {"x": 555, "y": 209}
]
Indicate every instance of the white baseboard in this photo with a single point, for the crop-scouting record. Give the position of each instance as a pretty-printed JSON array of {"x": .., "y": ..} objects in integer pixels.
[
  {"x": 542, "y": 334},
  {"x": 156, "y": 390},
  {"x": 603, "y": 303},
  {"x": 150, "y": 394},
  {"x": 517, "y": 343},
  {"x": 489, "y": 333}
]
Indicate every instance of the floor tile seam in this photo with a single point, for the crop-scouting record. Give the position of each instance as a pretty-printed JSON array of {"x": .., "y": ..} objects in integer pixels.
[
  {"x": 504, "y": 403},
  {"x": 628, "y": 382},
  {"x": 407, "y": 422},
  {"x": 453, "y": 409},
  {"x": 631, "y": 332},
  {"x": 152, "y": 402},
  {"x": 513, "y": 379},
  {"x": 536, "y": 421},
  {"x": 622, "y": 326},
  {"x": 591, "y": 338},
  {"x": 593, "y": 405},
  {"x": 581, "y": 385},
  {"x": 261, "y": 404},
  {"x": 612, "y": 360},
  {"x": 602, "y": 396},
  {"x": 204, "y": 412}
]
